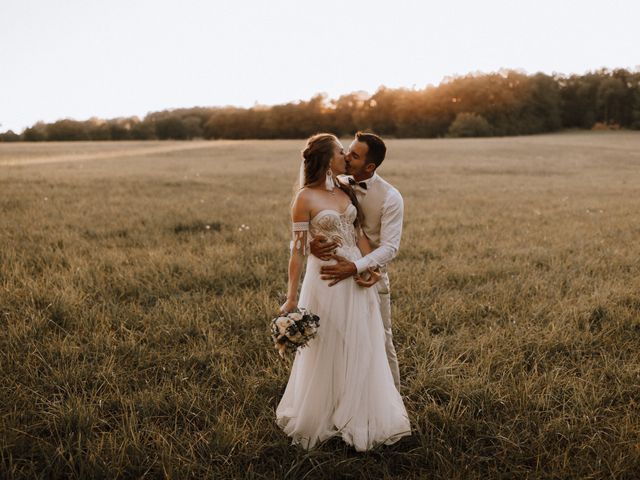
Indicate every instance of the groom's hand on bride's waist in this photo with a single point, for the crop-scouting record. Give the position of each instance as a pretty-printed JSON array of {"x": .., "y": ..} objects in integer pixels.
[
  {"x": 342, "y": 269},
  {"x": 322, "y": 247}
]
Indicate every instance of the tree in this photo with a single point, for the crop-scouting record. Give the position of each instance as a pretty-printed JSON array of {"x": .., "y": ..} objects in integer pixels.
[
  {"x": 65, "y": 130},
  {"x": 469, "y": 125},
  {"x": 121, "y": 128},
  {"x": 635, "y": 109},
  {"x": 37, "y": 133},
  {"x": 507, "y": 102},
  {"x": 143, "y": 130},
  {"x": 193, "y": 126},
  {"x": 171, "y": 128},
  {"x": 610, "y": 94},
  {"x": 9, "y": 136},
  {"x": 97, "y": 129}
]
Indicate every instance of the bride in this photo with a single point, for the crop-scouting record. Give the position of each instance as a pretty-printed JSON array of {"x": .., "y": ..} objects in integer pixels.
[{"x": 341, "y": 383}]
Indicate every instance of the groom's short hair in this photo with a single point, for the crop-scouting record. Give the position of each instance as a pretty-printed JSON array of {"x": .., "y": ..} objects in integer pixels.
[{"x": 377, "y": 148}]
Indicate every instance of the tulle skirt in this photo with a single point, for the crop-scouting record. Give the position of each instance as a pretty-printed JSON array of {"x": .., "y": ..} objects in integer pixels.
[{"x": 341, "y": 383}]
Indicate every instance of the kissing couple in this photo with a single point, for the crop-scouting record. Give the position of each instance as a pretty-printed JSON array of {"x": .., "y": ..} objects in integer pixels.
[{"x": 347, "y": 222}]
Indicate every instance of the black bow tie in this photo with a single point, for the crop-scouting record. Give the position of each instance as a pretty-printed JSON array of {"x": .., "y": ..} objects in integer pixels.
[{"x": 362, "y": 185}]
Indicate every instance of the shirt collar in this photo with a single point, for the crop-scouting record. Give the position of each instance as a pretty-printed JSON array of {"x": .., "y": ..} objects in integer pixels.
[{"x": 369, "y": 181}]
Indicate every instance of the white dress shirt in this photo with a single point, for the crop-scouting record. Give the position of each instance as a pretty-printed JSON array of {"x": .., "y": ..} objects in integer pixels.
[{"x": 383, "y": 209}]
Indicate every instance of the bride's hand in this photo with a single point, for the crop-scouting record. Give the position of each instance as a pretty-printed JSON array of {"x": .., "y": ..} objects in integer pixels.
[
  {"x": 322, "y": 248},
  {"x": 288, "y": 307},
  {"x": 374, "y": 276}
]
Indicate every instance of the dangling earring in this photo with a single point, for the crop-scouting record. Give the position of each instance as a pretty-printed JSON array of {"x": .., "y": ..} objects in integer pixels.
[{"x": 328, "y": 183}]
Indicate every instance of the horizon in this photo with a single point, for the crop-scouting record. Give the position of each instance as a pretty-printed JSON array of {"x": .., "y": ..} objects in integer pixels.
[
  {"x": 327, "y": 98},
  {"x": 81, "y": 60}
]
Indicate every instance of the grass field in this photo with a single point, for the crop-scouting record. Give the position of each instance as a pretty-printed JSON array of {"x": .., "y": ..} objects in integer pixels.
[{"x": 137, "y": 281}]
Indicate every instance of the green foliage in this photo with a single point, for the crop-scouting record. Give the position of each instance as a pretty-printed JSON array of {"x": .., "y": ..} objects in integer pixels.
[
  {"x": 37, "y": 133},
  {"x": 98, "y": 130},
  {"x": 512, "y": 102},
  {"x": 193, "y": 126},
  {"x": 121, "y": 128},
  {"x": 9, "y": 136},
  {"x": 469, "y": 125},
  {"x": 171, "y": 127},
  {"x": 144, "y": 130},
  {"x": 64, "y": 130},
  {"x": 611, "y": 93}
]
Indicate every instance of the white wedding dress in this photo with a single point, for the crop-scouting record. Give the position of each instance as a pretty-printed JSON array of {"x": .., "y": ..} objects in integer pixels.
[{"x": 341, "y": 383}]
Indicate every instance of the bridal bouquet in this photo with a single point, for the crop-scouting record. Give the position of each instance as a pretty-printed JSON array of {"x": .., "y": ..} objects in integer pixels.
[{"x": 293, "y": 330}]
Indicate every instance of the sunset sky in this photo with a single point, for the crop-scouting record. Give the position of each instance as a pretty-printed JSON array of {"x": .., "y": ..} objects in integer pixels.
[{"x": 87, "y": 58}]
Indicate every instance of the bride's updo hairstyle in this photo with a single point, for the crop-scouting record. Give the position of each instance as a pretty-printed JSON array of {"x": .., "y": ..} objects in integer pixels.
[{"x": 317, "y": 156}]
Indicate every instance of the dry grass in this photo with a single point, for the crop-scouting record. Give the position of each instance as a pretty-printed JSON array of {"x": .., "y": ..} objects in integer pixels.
[{"x": 135, "y": 338}]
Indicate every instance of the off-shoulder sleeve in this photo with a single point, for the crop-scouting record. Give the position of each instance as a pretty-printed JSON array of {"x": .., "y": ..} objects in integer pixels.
[{"x": 300, "y": 238}]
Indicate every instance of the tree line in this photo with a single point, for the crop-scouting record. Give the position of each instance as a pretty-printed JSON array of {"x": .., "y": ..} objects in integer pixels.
[{"x": 503, "y": 103}]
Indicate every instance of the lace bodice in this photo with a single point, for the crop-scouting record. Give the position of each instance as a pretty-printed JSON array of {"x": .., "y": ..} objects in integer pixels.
[{"x": 336, "y": 226}]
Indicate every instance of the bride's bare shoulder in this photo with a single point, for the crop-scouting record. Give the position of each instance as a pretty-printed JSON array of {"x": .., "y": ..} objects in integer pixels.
[
  {"x": 306, "y": 193},
  {"x": 303, "y": 196},
  {"x": 301, "y": 205}
]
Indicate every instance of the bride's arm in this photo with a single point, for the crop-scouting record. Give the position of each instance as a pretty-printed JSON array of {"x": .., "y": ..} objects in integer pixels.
[{"x": 299, "y": 249}]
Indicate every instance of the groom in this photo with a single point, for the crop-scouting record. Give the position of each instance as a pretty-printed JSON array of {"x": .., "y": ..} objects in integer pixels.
[{"x": 383, "y": 207}]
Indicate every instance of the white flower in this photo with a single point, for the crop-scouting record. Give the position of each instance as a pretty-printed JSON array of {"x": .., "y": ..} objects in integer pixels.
[
  {"x": 293, "y": 331},
  {"x": 283, "y": 323}
]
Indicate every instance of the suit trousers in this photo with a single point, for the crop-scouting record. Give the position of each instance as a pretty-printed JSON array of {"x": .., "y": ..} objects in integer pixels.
[{"x": 384, "y": 292}]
